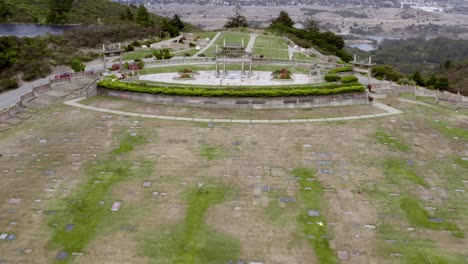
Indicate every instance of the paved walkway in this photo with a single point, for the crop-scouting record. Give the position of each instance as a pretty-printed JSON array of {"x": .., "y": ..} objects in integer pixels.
[
  {"x": 209, "y": 45},
  {"x": 389, "y": 112},
  {"x": 251, "y": 43}
]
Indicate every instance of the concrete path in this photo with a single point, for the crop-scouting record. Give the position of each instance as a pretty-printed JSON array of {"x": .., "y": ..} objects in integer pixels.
[
  {"x": 290, "y": 52},
  {"x": 9, "y": 98},
  {"x": 209, "y": 45},
  {"x": 389, "y": 112},
  {"x": 251, "y": 43}
]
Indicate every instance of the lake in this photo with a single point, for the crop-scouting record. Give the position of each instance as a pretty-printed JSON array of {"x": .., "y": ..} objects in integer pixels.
[
  {"x": 369, "y": 46},
  {"x": 31, "y": 30}
]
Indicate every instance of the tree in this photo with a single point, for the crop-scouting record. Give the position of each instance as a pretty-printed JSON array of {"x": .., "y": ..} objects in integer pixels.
[
  {"x": 417, "y": 78},
  {"x": 177, "y": 22},
  {"x": 143, "y": 17},
  {"x": 283, "y": 19},
  {"x": 5, "y": 12},
  {"x": 238, "y": 20},
  {"x": 77, "y": 65},
  {"x": 58, "y": 10},
  {"x": 168, "y": 27},
  {"x": 442, "y": 83},
  {"x": 129, "y": 14},
  {"x": 432, "y": 81},
  {"x": 447, "y": 64},
  {"x": 386, "y": 72},
  {"x": 162, "y": 54},
  {"x": 312, "y": 26}
]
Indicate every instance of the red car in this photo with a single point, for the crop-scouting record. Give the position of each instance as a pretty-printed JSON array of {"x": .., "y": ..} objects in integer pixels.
[{"x": 63, "y": 75}]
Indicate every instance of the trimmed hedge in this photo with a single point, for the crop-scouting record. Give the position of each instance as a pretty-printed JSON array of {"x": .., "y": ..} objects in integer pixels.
[
  {"x": 349, "y": 79},
  {"x": 332, "y": 78},
  {"x": 341, "y": 69},
  {"x": 233, "y": 92}
]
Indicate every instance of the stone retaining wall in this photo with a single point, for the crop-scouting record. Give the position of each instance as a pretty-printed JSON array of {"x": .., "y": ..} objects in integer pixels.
[{"x": 242, "y": 103}]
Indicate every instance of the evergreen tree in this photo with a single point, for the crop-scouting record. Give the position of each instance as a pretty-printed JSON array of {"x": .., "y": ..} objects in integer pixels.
[
  {"x": 143, "y": 17},
  {"x": 283, "y": 19},
  {"x": 442, "y": 83},
  {"x": 417, "y": 78},
  {"x": 77, "y": 65},
  {"x": 177, "y": 22},
  {"x": 312, "y": 26},
  {"x": 238, "y": 20}
]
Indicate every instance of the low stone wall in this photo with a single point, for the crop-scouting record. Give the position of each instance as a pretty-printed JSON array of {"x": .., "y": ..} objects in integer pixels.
[{"x": 242, "y": 103}]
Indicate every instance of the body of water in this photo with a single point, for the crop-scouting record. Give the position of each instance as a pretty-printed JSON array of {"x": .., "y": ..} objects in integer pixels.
[
  {"x": 369, "y": 46},
  {"x": 31, "y": 30}
]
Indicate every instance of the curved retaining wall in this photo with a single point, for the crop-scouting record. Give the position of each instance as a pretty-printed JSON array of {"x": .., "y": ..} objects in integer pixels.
[{"x": 242, "y": 103}]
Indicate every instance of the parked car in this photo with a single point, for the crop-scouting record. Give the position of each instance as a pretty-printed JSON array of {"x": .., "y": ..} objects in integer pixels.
[{"x": 63, "y": 75}]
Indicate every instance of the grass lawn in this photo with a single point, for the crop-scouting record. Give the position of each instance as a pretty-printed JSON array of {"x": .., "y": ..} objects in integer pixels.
[
  {"x": 89, "y": 206},
  {"x": 192, "y": 241},
  {"x": 314, "y": 227},
  {"x": 231, "y": 38},
  {"x": 302, "y": 56},
  {"x": 204, "y": 35},
  {"x": 273, "y": 53},
  {"x": 190, "y": 52},
  {"x": 137, "y": 54},
  {"x": 270, "y": 42}
]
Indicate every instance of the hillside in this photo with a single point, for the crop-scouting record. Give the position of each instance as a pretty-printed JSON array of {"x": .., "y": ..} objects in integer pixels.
[
  {"x": 458, "y": 77},
  {"x": 73, "y": 12}
]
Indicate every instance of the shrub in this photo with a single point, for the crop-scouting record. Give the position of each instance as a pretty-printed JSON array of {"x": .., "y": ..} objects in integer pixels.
[
  {"x": 301, "y": 90},
  {"x": 7, "y": 84},
  {"x": 349, "y": 79},
  {"x": 162, "y": 54},
  {"x": 186, "y": 70},
  {"x": 147, "y": 56},
  {"x": 405, "y": 81},
  {"x": 136, "y": 43},
  {"x": 77, "y": 65},
  {"x": 192, "y": 45},
  {"x": 332, "y": 78},
  {"x": 185, "y": 76},
  {"x": 129, "y": 48},
  {"x": 115, "y": 67},
  {"x": 201, "y": 55}
]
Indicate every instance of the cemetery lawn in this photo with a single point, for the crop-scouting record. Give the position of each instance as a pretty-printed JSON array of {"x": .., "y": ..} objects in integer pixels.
[{"x": 382, "y": 190}]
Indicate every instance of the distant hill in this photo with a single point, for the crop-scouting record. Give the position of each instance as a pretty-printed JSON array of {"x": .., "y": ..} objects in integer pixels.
[{"x": 75, "y": 11}]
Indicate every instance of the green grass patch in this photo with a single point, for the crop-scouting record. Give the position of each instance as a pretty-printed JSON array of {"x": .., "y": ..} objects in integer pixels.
[
  {"x": 313, "y": 200},
  {"x": 270, "y": 42},
  {"x": 189, "y": 52},
  {"x": 241, "y": 91},
  {"x": 302, "y": 57},
  {"x": 90, "y": 205},
  {"x": 230, "y": 38},
  {"x": 399, "y": 172},
  {"x": 193, "y": 241},
  {"x": 211, "y": 152},
  {"x": 448, "y": 130},
  {"x": 415, "y": 251},
  {"x": 391, "y": 142},
  {"x": 138, "y": 54},
  {"x": 204, "y": 35},
  {"x": 419, "y": 217},
  {"x": 271, "y": 53}
]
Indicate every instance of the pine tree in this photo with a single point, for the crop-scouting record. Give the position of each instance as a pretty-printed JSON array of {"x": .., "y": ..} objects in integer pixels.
[
  {"x": 143, "y": 17},
  {"x": 177, "y": 22},
  {"x": 283, "y": 19},
  {"x": 238, "y": 20}
]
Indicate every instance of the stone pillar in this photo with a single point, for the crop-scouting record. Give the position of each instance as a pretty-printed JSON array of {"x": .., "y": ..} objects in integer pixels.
[
  {"x": 120, "y": 58},
  {"x": 104, "y": 57},
  {"x": 224, "y": 64}
]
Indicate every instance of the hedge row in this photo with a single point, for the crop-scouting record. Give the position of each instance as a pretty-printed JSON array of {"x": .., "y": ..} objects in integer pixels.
[
  {"x": 349, "y": 79},
  {"x": 332, "y": 78},
  {"x": 341, "y": 69},
  {"x": 229, "y": 92}
]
